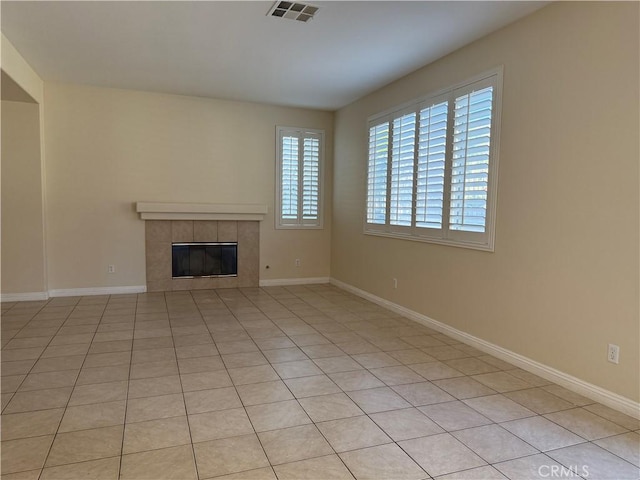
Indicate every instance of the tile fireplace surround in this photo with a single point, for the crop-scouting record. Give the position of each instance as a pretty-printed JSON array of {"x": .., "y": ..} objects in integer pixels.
[{"x": 160, "y": 234}]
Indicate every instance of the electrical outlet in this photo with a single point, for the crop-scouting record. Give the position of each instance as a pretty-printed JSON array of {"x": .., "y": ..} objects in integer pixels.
[
  {"x": 111, "y": 269},
  {"x": 297, "y": 262},
  {"x": 613, "y": 353},
  {"x": 395, "y": 283}
]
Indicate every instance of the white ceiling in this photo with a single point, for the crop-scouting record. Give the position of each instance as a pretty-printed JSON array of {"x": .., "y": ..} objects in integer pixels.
[{"x": 231, "y": 49}]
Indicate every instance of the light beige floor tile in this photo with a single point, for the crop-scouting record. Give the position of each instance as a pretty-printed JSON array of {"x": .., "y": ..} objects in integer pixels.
[
  {"x": 357, "y": 380},
  {"x": 541, "y": 433},
  {"x": 265, "y": 473},
  {"x": 103, "y": 469},
  {"x": 529, "y": 377},
  {"x": 150, "y": 408},
  {"x": 21, "y": 354},
  {"x": 398, "y": 375},
  {"x": 484, "y": 473},
  {"x": 229, "y": 455},
  {"x": 424, "y": 393},
  {"x": 73, "y": 362},
  {"x": 25, "y": 453},
  {"x": 411, "y": 356},
  {"x": 330, "y": 407},
  {"x": 167, "y": 463},
  {"x": 499, "y": 408},
  {"x": 382, "y": 462},
  {"x": 154, "y": 369},
  {"x": 326, "y": 468},
  {"x": 568, "y": 395},
  {"x": 85, "y": 445},
  {"x": 281, "y": 355},
  {"x": 205, "y": 380},
  {"x": 406, "y": 424},
  {"x": 353, "y": 433},
  {"x": 248, "y": 375},
  {"x": 441, "y": 454},
  {"x": 539, "y": 400},
  {"x": 89, "y": 376},
  {"x": 245, "y": 359},
  {"x": 471, "y": 366},
  {"x": 219, "y": 424},
  {"x": 200, "y": 364},
  {"x": 337, "y": 364},
  {"x": 303, "y": 340},
  {"x": 595, "y": 462},
  {"x": 154, "y": 355},
  {"x": 293, "y": 444},
  {"x": 626, "y": 446},
  {"x": 375, "y": 360},
  {"x": 98, "y": 393},
  {"x": 501, "y": 381},
  {"x": 107, "y": 359},
  {"x": 267, "y": 392},
  {"x": 535, "y": 467},
  {"x": 614, "y": 416},
  {"x": 38, "y": 400},
  {"x": 22, "y": 367},
  {"x": 463, "y": 387},
  {"x": 311, "y": 386},
  {"x": 30, "y": 424},
  {"x": 586, "y": 424},
  {"x": 41, "y": 381},
  {"x": 322, "y": 351},
  {"x": 300, "y": 368},
  {"x": 85, "y": 417},
  {"x": 241, "y": 346},
  {"x": 435, "y": 370},
  {"x": 151, "y": 387},
  {"x": 11, "y": 383},
  {"x": 274, "y": 416},
  {"x": 211, "y": 400},
  {"x": 378, "y": 400},
  {"x": 154, "y": 434},
  {"x": 494, "y": 444},
  {"x": 109, "y": 347}
]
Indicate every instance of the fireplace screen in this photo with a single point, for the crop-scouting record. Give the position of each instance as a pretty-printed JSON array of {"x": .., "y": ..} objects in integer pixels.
[{"x": 204, "y": 260}]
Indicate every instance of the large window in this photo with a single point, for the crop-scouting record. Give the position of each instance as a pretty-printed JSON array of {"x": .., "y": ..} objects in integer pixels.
[
  {"x": 299, "y": 178},
  {"x": 432, "y": 168}
]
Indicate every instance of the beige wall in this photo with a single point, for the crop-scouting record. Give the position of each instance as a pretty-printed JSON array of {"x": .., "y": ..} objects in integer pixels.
[
  {"x": 107, "y": 149},
  {"x": 563, "y": 281},
  {"x": 22, "y": 233}
]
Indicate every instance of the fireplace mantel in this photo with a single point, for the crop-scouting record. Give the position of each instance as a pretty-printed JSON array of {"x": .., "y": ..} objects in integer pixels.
[{"x": 200, "y": 211}]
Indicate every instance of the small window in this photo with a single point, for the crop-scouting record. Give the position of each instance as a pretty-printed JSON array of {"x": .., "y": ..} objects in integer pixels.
[
  {"x": 432, "y": 167},
  {"x": 300, "y": 158}
]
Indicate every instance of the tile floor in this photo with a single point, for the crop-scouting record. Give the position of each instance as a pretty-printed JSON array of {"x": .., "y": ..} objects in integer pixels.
[{"x": 288, "y": 383}]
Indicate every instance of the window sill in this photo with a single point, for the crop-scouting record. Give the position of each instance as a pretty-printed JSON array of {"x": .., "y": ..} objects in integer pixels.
[{"x": 446, "y": 242}]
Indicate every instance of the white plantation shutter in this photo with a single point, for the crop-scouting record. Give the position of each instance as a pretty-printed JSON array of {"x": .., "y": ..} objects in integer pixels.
[
  {"x": 310, "y": 178},
  {"x": 289, "y": 184},
  {"x": 470, "y": 167},
  {"x": 402, "y": 159},
  {"x": 299, "y": 174},
  {"x": 432, "y": 143},
  {"x": 377, "y": 174},
  {"x": 432, "y": 166}
]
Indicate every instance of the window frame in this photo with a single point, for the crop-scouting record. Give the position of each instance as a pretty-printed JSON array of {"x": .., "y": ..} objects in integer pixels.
[
  {"x": 300, "y": 223},
  {"x": 445, "y": 235}
]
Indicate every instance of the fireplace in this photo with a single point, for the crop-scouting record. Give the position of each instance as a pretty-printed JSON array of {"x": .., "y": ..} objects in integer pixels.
[
  {"x": 170, "y": 226},
  {"x": 204, "y": 259}
]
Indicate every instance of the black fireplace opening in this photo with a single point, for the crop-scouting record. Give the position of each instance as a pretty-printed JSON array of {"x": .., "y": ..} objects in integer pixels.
[{"x": 204, "y": 259}]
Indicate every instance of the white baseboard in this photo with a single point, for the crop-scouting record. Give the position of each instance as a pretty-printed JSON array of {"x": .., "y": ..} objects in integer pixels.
[
  {"x": 23, "y": 297},
  {"x": 77, "y": 292},
  {"x": 606, "y": 397},
  {"x": 279, "y": 282}
]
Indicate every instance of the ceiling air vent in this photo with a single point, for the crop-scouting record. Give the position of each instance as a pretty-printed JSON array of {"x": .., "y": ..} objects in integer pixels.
[{"x": 293, "y": 10}]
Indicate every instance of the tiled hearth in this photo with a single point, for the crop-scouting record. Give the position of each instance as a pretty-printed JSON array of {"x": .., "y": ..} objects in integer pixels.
[{"x": 160, "y": 234}]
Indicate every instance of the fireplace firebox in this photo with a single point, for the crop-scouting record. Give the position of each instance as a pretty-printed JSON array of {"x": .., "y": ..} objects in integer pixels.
[{"x": 204, "y": 259}]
